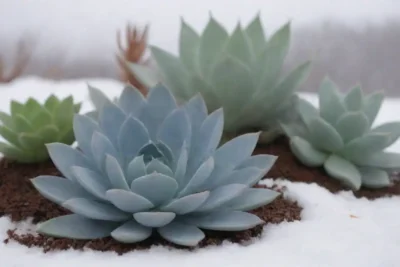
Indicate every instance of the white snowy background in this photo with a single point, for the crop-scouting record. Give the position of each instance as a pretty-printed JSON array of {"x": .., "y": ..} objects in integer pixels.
[{"x": 335, "y": 230}]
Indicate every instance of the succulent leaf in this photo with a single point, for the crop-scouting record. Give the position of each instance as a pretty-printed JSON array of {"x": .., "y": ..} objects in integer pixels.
[
  {"x": 189, "y": 42},
  {"x": 306, "y": 153},
  {"x": 343, "y": 170},
  {"x": 374, "y": 178},
  {"x": 163, "y": 171},
  {"x": 255, "y": 32},
  {"x": 352, "y": 125},
  {"x": 330, "y": 103}
]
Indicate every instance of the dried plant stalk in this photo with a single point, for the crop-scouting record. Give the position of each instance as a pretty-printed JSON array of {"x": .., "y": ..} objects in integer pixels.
[
  {"x": 22, "y": 58},
  {"x": 133, "y": 51}
]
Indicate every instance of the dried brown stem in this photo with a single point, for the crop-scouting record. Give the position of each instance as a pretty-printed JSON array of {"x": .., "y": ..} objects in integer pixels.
[{"x": 132, "y": 51}]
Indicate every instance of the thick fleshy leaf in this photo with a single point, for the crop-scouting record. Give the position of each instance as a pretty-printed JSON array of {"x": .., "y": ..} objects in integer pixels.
[
  {"x": 306, "y": 153},
  {"x": 6, "y": 119},
  {"x": 174, "y": 73},
  {"x": 131, "y": 100},
  {"x": 270, "y": 62},
  {"x": 9, "y": 135},
  {"x": 58, "y": 189},
  {"x": 98, "y": 98},
  {"x": 366, "y": 145},
  {"x": 181, "y": 234},
  {"x": 212, "y": 41},
  {"x": 221, "y": 196},
  {"x": 208, "y": 140},
  {"x": 31, "y": 141},
  {"x": 64, "y": 113},
  {"x": 236, "y": 150},
  {"x": 264, "y": 162},
  {"x": 51, "y": 103},
  {"x": 198, "y": 85},
  {"x": 132, "y": 137},
  {"x": 391, "y": 127},
  {"x": 324, "y": 136},
  {"x": 49, "y": 133},
  {"x": 307, "y": 111},
  {"x": 84, "y": 127},
  {"x": 144, "y": 74},
  {"x": 91, "y": 181},
  {"x": 115, "y": 173},
  {"x": 111, "y": 119},
  {"x": 372, "y": 105},
  {"x": 31, "y": 107},
  {"x": 42, "y": 118},
  {"x": 230, "y": 76},
  {"x": 128, "y": 201},
  {"x": 247, "y": 176},
  {"x": 286, "y": 88},
  {"x": 12, "y": 152},
  {"x": 256, "y": 35},
  {"x": 186, "y": 204},
  {"x": 160, "y": 103},
  {"x": 226, "y": 220},
  {"x": 156, "y": 187},
  {"x": 101, "y": 147},
  {"x": 189, "y": 42},
  {"x": 181, "y": 165},
  {"x": 331, "y": 107},
  {"x": 136, "y": 168},
  {"x": 175, "y": 130},
  {"x": 354, "y": 99},
  {"x": 352, "y": 125},
  {"x": 385, "y": 160},
  {"x": 157, "y": 166},
  {"x": 16, "y": 108},
  {"x": 74, "y": 226},
  {"x": 374, "y": 178},
  {"x": 22, "y": 124},
  {"x": 197, "y": 112},
  {"x": 239, "y": 46},
  {"x": 95, "y": 210},
  {"x": 131, "y": 232},
  {"x": 344, "y": 171},
  {"x": 253, "y": 198},
  {"x": 64, "y": 157},
  {"x": 154, "y": 219},
  {"x": 199, "y": 177}
]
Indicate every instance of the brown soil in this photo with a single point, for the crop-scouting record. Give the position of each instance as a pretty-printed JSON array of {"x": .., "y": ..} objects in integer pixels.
[
  {"x": 20, "y": 201},
  {"x": 287, "y": 166}
]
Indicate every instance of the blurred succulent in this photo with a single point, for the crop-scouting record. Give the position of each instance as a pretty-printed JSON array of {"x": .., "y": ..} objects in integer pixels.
[
  {"x": 339, "y": 137},
  {"x": 30, "y": 126},
  {"x": 148, "y": 164},
  {"x": 240, "y": 72}
]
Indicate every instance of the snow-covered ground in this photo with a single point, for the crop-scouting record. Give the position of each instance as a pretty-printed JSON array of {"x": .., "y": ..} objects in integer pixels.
[{"x": 335, "y": 231}]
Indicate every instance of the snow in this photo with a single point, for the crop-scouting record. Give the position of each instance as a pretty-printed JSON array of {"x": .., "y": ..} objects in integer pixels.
[{"x": 335, "y": 230}]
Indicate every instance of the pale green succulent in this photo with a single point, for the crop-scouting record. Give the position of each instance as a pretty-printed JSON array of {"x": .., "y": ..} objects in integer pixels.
[
  {"x": 240, "y": 72},
  {"x": 30, "y": 126},
  {"x": 339, "y": 137},
  {"x": 148, "y": 165}
]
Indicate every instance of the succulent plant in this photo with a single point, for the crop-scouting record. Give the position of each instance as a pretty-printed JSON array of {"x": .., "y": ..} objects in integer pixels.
[
  {"x": 240, "y": 72},
  {"x": 30, "y": 126},
  {"x": 148, "y": 164},
  {"x": 339, "y": 137}
]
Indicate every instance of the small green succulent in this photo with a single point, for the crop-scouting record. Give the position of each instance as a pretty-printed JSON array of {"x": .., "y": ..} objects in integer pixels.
[
  {"x": 339, "y": 137},
  {"x": 240, "y": 72},
  {"x": 30, "y": 126},
  {"x": 147, "y": 165}
]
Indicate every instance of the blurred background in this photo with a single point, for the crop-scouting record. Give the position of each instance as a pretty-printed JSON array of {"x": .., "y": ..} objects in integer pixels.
[{"x": 352, "y": 41}]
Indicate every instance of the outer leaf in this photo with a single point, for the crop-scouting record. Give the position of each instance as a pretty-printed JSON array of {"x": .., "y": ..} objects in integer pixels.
[
  {"x": 227, "y": 221},
  {"x": 307, "y": 111},
  {"x": 95, "y": 210},
  {"x": 98, "y": 98},
  {"x": 344, "y": 171},
  {"x": 221, "y": 196},
  {"x": 189, "y": 42},
  {"x": 58, "y": 189},
  {"x": 76, "y": 227},
  {"x": 181, "y": 234},
  {"x": 31, "y": 108},
  {"x": 324, "y": 136},
  {"x": 131, "y": 101},
  {"x": 354, "y": 99},
  {"x": 374, "y": 178},
  {"x": 253, "y": 198},
  {"x": 372, "y": 106},
  {"x": 366, "y": 145},
  {"x": 173, "y": 71},
  {"x": 51, "y": 103},
  {"x": 306, "y": 153},
  {"x": 255, "y": 33},
  {"x": 14, "y": 153},
  {"x": 330, "y": 103},
  {"x": 352, "y": 125},
  {"x": 383, "y": 160},
  {"x": 16, "y": 108},
  {"x": 92, "y": 182},
  {"x": 6, "y": 120},
  {"x": 22, "y": 124},
  {"x": 239, "y": 46},
  {"x": 154, "y": 219},
  {"x": 31, "y": 141},
  {"x": 64, "y": 113},
  {"x": 9, "y": 135},
  {"x": 391, "y": 127},
  {"x": 131, "y": 232},
  {"x": 212, "y": 41},
  {"x": 186, "y": 204},
  {"x": 144, "y": 74},
  {"x": 84, "y": 127}
]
